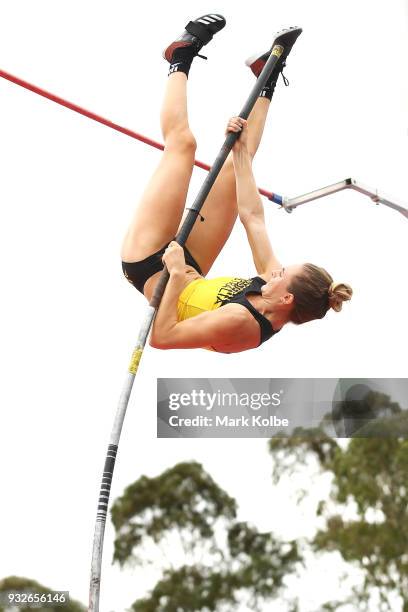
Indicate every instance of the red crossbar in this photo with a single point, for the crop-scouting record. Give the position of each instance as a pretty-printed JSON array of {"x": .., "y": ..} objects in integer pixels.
[{"x": 99, "y": 119}]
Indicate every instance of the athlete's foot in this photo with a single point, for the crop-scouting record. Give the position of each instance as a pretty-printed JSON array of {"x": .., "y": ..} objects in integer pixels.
[
  {"x": 197, "y": 33},
  {"x": 285, "y": 38}
]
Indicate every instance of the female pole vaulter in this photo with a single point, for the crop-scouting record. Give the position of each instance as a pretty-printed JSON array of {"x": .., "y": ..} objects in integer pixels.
[{"x": 225, "y": 314}]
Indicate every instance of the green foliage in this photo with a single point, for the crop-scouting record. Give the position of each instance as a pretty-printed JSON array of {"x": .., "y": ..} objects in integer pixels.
[
  {"x": 233, "y": 561},
  {"x": 188, "y": 589},
  {"x": 370, "y": 477},
  {"x": 372, "y": 473},
  {"x": 374, "y": 414},
  {"x": 291, "y": 453},
  {"x": 264, "y": 560},
  {"x": 26, "y": 585},
  {"x": 184, "y": 497},
  {"x": 395, "y": 426}
]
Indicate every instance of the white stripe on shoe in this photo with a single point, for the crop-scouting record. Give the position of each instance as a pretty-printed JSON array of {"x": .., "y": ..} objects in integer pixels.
[{"x": 217, "y": 17}]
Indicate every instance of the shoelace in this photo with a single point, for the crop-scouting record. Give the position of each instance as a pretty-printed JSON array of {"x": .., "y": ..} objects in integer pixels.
[{"x": 285, "y": 79}]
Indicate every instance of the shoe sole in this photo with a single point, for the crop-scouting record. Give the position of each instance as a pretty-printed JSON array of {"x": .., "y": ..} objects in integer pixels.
[{"x": 257, "y": 61}]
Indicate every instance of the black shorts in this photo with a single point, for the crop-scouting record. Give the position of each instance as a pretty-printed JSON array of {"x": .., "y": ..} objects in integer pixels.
[{"x": 138, "y": 272}]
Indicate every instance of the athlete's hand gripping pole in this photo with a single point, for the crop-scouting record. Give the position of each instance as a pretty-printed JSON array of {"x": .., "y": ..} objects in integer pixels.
[{"x": 283, "y": 38}]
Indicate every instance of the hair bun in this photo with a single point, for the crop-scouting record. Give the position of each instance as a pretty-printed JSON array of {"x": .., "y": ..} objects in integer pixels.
[{"x": 339, "y": 293}]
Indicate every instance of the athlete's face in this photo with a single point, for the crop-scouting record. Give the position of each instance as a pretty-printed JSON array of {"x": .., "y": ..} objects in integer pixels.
[{"x": 276, "y": 288}]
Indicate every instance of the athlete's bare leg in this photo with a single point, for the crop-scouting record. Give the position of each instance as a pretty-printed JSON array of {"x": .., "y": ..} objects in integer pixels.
[
  {"x": 161, "y": 207},
  {"x": 220, "y": 208}
]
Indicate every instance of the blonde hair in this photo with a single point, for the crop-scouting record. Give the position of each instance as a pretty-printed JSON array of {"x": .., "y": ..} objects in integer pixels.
[
  {"x": 339, "y": 293},
  {"x": 315, "y": 293}
]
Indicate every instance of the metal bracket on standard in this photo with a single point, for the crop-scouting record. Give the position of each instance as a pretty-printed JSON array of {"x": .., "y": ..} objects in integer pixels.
[{"x": 289, "y": 204}]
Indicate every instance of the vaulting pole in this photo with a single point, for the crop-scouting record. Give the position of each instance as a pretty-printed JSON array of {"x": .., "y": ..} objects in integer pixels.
[{"x": 181, "y": 238}]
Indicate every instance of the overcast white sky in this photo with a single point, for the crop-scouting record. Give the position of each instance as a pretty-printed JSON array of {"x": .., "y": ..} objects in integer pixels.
[{"x": 68, "y": 188}]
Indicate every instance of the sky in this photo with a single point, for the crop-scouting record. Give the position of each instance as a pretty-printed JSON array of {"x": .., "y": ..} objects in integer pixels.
[{"x": 68, "y": 189}]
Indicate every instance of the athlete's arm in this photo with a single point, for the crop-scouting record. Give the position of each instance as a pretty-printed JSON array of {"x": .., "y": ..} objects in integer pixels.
[
  {"x": 205, "y": 329},
  {"x": 250, "y": 206},
  {"x": 216, "y": 327}
]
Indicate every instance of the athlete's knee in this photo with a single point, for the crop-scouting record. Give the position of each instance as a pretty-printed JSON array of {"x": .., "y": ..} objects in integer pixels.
[{"x": 181, "y": 140}]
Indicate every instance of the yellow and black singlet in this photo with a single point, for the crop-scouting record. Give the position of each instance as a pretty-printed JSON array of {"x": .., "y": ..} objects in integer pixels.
[{"x": 202, "y": 295}]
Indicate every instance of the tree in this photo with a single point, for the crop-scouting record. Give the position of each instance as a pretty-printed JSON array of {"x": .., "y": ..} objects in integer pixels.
[
  {"x": 364, "y": 412},
  {"x": 370, "y": 475},
  {"x": 221, "y": 561}
]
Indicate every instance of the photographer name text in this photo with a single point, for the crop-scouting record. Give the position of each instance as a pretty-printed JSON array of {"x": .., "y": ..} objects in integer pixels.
[{"x": 227, "y": 421}]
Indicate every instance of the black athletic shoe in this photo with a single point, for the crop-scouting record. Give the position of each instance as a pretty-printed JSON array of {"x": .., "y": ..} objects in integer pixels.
[
  {"x": 287, "y": 39},
  {"x": 196, "y": 34}
]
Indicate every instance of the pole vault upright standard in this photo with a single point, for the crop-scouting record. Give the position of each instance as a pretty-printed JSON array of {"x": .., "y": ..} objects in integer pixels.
[{"x": 282, "y": 39}]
